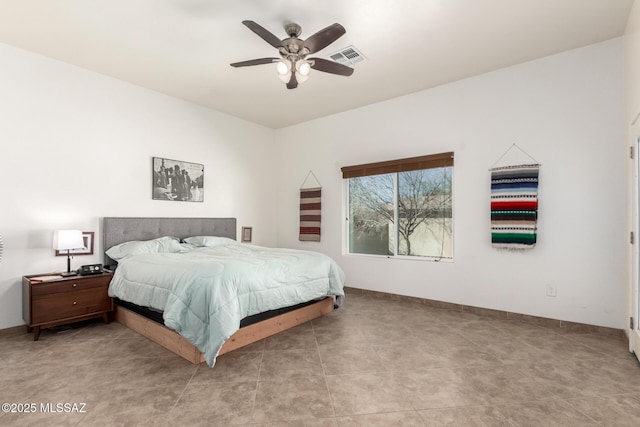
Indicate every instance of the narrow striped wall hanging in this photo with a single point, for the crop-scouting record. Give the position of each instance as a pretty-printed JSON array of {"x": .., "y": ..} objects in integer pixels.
[
  {"x": 514, "y": 206},
  {"x": 310, "y": 214}
]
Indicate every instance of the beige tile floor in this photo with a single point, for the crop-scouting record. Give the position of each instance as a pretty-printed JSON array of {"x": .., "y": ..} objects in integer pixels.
[{"x": 369, "y": 363}]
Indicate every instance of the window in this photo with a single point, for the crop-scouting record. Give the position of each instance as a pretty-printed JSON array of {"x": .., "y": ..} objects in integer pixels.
[{"x": 401, "y": 207}]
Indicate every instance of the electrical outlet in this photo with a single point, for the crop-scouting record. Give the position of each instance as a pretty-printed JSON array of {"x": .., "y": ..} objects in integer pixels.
[{"x": 551, "y": 291}]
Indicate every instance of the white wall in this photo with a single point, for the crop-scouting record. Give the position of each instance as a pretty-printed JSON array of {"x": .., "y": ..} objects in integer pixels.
[
  {"x": 567, "y": 111},
  {"x": 76, "y": 146},
  {"x": 632, "y": 109}
]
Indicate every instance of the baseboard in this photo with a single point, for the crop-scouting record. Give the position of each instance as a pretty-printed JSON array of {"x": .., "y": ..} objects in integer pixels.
[{"x": 562, "y": 325}]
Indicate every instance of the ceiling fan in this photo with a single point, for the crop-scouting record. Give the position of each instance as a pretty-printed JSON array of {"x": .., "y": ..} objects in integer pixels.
[{"x": 294, "y": 66}]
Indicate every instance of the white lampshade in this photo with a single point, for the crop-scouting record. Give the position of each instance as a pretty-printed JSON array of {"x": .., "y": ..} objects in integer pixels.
[
  {"x": 303, "y": 67},
  {"x": 284, "y": 70},
  {"x": 67, "y": 239},
  {"x": 283, "y": 66}
]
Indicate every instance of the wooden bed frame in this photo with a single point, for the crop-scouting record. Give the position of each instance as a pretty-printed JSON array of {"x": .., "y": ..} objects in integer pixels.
[
  {"x": 175, "y": 343},
  {"x": 119, "y": 230}
]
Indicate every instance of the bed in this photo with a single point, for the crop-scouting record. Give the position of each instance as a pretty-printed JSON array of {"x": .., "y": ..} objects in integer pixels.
[{"x": 213, "y": 293}]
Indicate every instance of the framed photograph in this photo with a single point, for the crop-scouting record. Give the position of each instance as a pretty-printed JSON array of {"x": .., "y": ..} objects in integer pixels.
[
  {"x": 87, "y": 237},
  {"x": 246, "y": 234},
  {"x": 177, "y": 181}
]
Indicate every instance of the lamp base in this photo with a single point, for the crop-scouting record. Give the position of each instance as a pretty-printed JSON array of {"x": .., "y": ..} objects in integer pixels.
[{"x": 69, "y": 273}]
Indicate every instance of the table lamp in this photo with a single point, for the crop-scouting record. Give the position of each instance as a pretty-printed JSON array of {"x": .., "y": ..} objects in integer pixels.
[{"x": 65, "y": 240}]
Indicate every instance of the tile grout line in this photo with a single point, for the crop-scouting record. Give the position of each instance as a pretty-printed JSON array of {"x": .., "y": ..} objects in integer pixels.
[
  {"x": 255, "y": 395},
  {"x": 324, "y": 373},
  {"x": 184, "y": 389}
]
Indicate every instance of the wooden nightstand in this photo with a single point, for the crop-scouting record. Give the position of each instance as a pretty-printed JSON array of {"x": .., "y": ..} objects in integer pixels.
[{"x": 64, "y": 300}]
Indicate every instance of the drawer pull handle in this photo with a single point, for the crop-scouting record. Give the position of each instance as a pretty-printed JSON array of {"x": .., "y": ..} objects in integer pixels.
[
  {"x": 74, "y": 285},
  {"x": 74, "y": 303}
]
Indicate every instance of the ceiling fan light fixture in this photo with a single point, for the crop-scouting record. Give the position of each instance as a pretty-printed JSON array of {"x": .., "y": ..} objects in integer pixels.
[
  {"x": 302, "y": 70},
  {"x": 285, "y": 77},
  {"x": 284, "y": 67},
  {"x": 303, "y": 67}
]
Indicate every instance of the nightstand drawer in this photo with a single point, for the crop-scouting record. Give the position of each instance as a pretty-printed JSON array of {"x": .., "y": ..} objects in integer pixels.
[
  {"x": 68, "y": 285},
  {"x": 61, "y": 305}
]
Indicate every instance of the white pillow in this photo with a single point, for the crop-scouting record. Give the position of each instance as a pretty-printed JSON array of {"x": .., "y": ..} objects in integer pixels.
[
  {"x": 209, "y": 241},
  {"x": 139, "y": 247}
]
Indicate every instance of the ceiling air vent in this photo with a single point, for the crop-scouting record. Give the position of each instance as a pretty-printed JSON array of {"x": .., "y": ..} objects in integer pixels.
[{"x": 348, "y": 56}]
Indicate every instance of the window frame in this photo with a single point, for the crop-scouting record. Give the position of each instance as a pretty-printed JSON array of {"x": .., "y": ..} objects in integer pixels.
[{"x": 394, "y": 167}]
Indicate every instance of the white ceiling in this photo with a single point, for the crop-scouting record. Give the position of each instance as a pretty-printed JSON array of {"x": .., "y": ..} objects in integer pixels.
[{"x": 183, "y": 47}]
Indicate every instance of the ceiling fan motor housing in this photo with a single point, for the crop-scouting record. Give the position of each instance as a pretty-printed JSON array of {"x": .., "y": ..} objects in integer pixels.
[
  {"x": 293, "y": 29},
  {"x": 293, "y": 48}
]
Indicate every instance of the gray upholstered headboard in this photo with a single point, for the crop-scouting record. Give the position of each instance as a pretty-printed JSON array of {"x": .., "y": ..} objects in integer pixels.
[{"x": 120, "y": 229}]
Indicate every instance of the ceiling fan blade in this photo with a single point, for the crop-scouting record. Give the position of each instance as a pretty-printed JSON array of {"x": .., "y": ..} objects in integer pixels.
[
  {"x": 293, "y": 81},
  {"x": 264, "y": 33},
  {"x": 324, "y": 37},
  {"x": 255, "y": 62},
  {"x": 330, "y": 67}
]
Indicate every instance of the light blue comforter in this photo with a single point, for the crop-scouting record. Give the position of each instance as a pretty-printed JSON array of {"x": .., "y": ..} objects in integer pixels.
[{"x": 204, "y": 292}]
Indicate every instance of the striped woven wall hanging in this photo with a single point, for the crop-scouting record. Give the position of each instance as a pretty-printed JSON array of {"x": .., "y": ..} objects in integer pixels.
[
  {"x": 514, "y": 206},
  {"x": 310, "y": 208}
]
